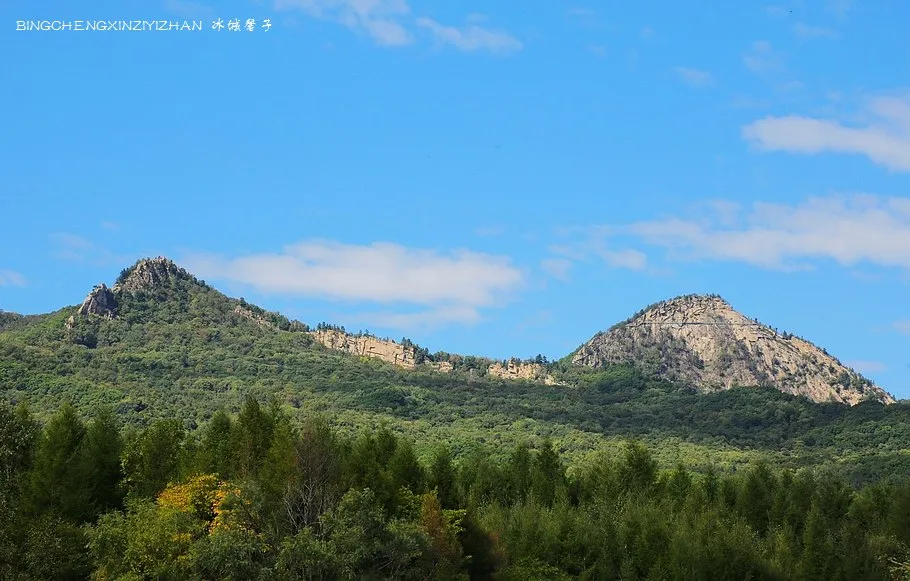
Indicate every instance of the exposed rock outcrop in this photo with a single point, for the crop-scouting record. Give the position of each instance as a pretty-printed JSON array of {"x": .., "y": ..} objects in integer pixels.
[
  {"x": 100, "y": 301},
  {"x": 150, "y": 273},
  {"x": 256, "y": 318},
  {"x": 366, "y": 346},
  {"x": 702, "y": 341},
  {"x": 518, "y": 370},
  {"x": 442, "y": 366}
]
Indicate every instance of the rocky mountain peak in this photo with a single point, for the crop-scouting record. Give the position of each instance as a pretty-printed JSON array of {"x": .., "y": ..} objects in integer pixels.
[
  {"x": 149, "y": 274},
  {"x": 700, "y": 340}
]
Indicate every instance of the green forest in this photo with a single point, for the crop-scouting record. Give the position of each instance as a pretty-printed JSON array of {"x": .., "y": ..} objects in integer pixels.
[
  {"x": 252, "y": 496},
  {"x": 188, "y": 435}
]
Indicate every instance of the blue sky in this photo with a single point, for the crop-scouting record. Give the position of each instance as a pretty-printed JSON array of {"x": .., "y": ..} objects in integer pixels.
[{"x": 498, "y": 179}]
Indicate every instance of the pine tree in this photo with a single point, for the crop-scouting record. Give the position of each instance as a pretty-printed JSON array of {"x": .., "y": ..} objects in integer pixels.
[
  {"x": 56, "y": 483},
  {"x": 442, "y": 477},
  {"x": 100, "y": 454},
  {"x": 548, "y": 475},
  {"x": 254, "y": 437}
]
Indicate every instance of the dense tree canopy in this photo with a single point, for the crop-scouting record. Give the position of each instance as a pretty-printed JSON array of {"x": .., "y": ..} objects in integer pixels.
[
  {"x": 193, "y": 436},
  {"x": 254, "y": 496}
]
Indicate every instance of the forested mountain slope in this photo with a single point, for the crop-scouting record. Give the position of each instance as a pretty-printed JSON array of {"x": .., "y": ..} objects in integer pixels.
[{"x": 161, "y": 344}]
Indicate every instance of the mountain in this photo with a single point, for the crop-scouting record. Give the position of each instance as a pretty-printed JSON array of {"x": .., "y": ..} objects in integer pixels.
[
  {"x": 161, "y": 344},
  {"x": 698, "y": 341},
  {"x": 154, "y": 285},
  {"x": 701, "y": 341}
]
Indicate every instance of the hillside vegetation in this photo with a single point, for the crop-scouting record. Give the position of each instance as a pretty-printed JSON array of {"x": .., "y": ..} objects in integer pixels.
[
  {"x": 162, "y": 430},
  {"x": 178, "y": 349},
  {"x": 253, "y": 497}
]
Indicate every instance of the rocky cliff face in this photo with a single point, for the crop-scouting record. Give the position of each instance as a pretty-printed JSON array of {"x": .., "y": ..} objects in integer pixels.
[
  {"x": 405, "y": 356},
  {"x": 702, "y": 341},
  {"x": 696, "y": 340},
  {"x": 100, "y": 301},
  {"x": 256, "y": 318},
  {"x": 150, "y": 273},
  {"x": 366, "y": 346},
  {"x": 519, "y": 370}
]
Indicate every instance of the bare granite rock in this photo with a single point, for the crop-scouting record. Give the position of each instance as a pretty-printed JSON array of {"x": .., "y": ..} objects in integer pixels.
[
  {"x": 703, "y": 342},
  {"x": 150, "y": 273},
  {"x": 99, "y": 302},
  {"x": 366, "y": 346},
  {"x": 519, "y": 370}
]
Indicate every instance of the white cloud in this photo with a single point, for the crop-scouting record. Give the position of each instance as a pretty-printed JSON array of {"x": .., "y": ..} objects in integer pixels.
[
  {"x": 593, "y": 244},
  {"x": 902, "y": 326},
  {"x": 867, "y": 366},
  {"x": 762, "y": 58},
  {"x": 694, "y": 77},
  {"x": 809, "y": 32},
  {"x": 558, "y": 268},
  {"x": 884, "y": 139},
  {"x": 75, "y": 248},
  {"x": 72, "y": 247},
  {"x": 472, "y": 37},
  {"x": 846, "y": 229},
  {"x": 626, "y": 258},
  {"x": 540, "y": 318},
  {"x": 380, "y": 19},
  {"x": 425, "y": 320},
  {"x": 11, "y": 278},
  {"x": 452, "y": 286},
  {"x": 389, "y": 23}
]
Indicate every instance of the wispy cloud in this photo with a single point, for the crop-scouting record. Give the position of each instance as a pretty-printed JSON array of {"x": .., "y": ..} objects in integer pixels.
[
  {"x": 694, "y": 77},
  {"x": 73, "y": 248},
  {"x": 867, "y": 366},
  {"x": 541, "y": 318},
  {"x": 558, "y": 268},
  {"x": 390, "y": 23},
  {"x": 472, "y": 37},
  {"x": 111, "y": 226},
  {"x": 451, "y": 286},
  {"x": 647, "y": 32},
  {"x": 382, "y": 20},
  {"x": 810, "y": 32},
  {"x": 846, "y": 229},
  {"x": 884, "y": 139},
  {"x": 762, "y": 57},
  {"x": 11, "y": 278},
  {"x": 625, "y": 258},
  {"x": 592, "y": 244},
  {"x": 902, "y": 326},
  {"x": 425, "y": 320}
]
